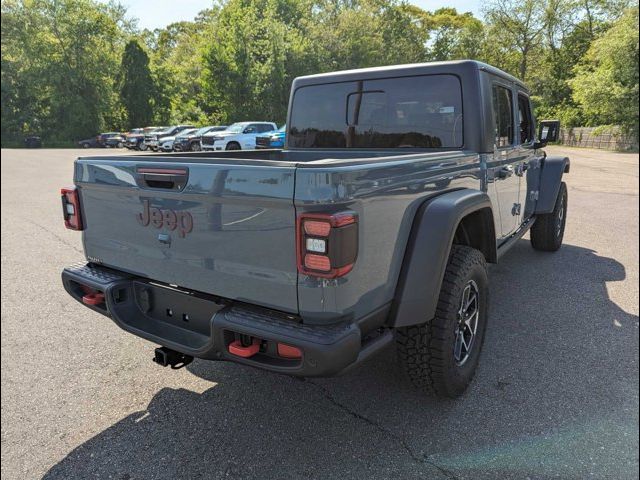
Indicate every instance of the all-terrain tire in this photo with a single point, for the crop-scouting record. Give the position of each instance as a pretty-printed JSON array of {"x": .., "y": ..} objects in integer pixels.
[
  {"x": 548, "y": 231},
  {"x": 427, "y": 350}
]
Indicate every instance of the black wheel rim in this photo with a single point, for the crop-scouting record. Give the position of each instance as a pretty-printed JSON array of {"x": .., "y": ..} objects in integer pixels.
[
  {"x": 560, "y": 217},
  {"x": 467, "y": 324}
]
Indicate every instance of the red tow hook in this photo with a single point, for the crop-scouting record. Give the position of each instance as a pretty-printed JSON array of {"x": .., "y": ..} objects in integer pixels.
[
  {"x": 236, "y": 348},
  {"x": 93, "y": 298}
]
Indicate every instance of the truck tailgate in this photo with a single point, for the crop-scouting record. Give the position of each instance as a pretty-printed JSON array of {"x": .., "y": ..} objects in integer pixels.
[{"x": 224, "y": 229}]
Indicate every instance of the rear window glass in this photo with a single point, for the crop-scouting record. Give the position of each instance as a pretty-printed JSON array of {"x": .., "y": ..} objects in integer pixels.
[{"x": 407, "y": 112}]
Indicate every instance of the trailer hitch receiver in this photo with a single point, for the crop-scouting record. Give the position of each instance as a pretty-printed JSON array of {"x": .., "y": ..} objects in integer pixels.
[{"x": 166, "y": 357}]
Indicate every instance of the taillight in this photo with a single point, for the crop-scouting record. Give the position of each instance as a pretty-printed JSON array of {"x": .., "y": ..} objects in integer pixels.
[
  {"x": 71, "y": 208},
  {"x": 327, "y": 244}
]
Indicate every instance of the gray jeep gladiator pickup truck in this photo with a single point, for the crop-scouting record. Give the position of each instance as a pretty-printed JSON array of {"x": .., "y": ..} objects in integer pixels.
[{"x": 375, "y": 224}]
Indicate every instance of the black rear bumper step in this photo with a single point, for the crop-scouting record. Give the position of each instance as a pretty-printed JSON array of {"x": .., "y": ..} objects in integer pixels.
[{"x": 202, "y": 326}]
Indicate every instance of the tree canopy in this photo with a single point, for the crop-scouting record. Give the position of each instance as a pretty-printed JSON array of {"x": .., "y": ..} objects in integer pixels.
[
  {"x": 137, "y": 87},
  {"x": 72, "y": 68}
]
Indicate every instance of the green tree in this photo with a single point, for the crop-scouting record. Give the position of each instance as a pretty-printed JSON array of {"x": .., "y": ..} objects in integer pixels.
[
  {"x": 251, "y": 56},
  {"x": 516, "y": 30},
  {"x": 60, "y": 60},
  {"x": 454, "y": 36},
  {"x": 606, "y": 82},
  {"x": 136, "y": 85},
  {"x": 66, "y": 72}
]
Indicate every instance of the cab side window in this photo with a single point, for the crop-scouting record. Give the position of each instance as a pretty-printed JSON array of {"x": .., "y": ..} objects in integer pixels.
[
  {"x": 502, "y": 116},
  {"x": 525, "y": 119}
]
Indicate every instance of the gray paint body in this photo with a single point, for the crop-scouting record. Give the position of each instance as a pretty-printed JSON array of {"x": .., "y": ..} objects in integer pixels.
[{"x": 244, "y": 207}]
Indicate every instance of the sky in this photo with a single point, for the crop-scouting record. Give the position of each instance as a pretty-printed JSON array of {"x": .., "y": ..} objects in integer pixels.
[{"x": 159, "y": 13}]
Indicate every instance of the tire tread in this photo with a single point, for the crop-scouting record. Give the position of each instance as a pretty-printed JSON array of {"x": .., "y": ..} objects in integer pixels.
[
  {"x": 422, "y": 349},
  {"x": 543, "y": 231}
]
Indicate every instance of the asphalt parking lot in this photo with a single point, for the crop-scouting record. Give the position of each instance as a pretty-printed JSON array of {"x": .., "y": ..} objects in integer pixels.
[{"x": 556, "y": 394}]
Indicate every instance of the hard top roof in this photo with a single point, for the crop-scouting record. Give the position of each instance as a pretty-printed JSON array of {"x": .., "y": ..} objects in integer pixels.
[{"x": 406, "y": 69}]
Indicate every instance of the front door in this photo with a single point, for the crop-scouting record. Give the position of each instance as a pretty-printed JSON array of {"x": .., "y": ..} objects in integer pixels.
[{"x": 505, "y": 171}]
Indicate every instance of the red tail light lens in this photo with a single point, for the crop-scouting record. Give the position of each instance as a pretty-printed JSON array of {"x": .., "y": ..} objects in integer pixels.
[
  {"x": 317, "y": 229},
  {"x": 327, "y": 244},
  {"x": 319, "y": 263},
  {"x": 71, "y": 208}
]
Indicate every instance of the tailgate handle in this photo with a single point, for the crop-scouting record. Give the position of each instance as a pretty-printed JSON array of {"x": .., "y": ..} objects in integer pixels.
[{"x": 163, "y": 178}]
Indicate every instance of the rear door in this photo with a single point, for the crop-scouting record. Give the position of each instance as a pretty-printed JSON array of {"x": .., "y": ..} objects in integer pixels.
[
  {"x": 526, "y": 158},
  {"x": 504, "y": 165},
  {"x": 224, "y": 229}
]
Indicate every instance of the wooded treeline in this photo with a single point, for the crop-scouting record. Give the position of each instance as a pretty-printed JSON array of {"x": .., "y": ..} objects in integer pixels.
[{"x": 72, "y": 68}]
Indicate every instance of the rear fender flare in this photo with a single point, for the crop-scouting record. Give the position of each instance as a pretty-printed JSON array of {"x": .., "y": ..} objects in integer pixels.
[
  {"x": 550, "y": 178},
  {"x": 428, "y": 249}
]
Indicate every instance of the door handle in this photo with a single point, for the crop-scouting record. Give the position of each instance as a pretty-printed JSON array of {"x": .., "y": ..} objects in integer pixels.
[
  {"x": 505, "y": 172},
  {"x": 164, "y": 178}
]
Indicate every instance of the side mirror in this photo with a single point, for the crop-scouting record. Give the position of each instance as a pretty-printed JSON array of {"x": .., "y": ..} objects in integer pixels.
[{"x": 548, "y": 131}]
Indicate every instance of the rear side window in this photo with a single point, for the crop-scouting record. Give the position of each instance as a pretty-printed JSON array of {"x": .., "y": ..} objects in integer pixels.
[
  {"x": 407, "y": 112},
  {"x": 264, "y": 127},
  {"x": 502, "y": 116},
  {"x": 525, "y": 119}
]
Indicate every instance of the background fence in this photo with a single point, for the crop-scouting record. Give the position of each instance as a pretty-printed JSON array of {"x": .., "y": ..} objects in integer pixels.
[{"x": 606, "y": 138}]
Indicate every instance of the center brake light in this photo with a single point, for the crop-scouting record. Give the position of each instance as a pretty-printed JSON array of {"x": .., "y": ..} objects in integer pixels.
[
  {"x": 71, "y": 208},
  {"x": 327, "y": 244}
]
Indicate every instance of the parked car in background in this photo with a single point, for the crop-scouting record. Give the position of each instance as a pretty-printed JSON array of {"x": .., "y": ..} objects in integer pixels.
[
  {"x": 273, "y": 139},
  {"x": 153, "y": 139},
  {"x": 89, "y": 143},
  {"x": 115, "y": 141},
  {"x": 137, "y": 140},
  {"x": 191, "y": 141},
  {"x": 133, "y": 138},
  {"x": 33, "y": 141},
  {"x": 166, "y": 144},
  {"x": 99, "y": 141},
  {"x": 239, "y": 136}
]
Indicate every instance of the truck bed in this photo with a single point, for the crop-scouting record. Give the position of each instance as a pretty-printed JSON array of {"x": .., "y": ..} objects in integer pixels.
[{"x": 230, "y": 228}]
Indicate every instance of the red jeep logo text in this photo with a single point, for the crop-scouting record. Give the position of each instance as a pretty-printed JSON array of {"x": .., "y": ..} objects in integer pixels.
[{"x": 183, "y": 221}]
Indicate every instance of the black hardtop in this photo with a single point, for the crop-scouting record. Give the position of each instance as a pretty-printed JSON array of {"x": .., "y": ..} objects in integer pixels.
[
  {"x": 456, "y": 67},
  {"x": 474, "y": 79}
]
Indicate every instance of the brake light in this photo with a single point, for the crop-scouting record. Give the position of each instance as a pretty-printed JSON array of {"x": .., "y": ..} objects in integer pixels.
[
  {"x": 327, "y": 244},
  {"x": 71, "y": 208}
]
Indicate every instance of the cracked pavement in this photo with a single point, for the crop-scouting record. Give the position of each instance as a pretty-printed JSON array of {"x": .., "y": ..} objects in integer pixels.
[{"x": 555, "y": 396}]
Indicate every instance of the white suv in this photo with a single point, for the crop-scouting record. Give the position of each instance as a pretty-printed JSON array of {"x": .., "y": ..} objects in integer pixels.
[{"x": 239, "y": 136}]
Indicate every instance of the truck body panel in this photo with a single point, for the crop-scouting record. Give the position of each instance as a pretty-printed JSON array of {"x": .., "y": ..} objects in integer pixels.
[{"x": 386, "y": 193}]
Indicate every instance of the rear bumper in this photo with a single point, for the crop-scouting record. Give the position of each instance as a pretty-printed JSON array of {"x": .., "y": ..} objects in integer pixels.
[{"x": 204, "y": 326}]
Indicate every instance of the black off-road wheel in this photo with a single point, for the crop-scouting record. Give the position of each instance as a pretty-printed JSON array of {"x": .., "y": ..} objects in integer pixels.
[
  {"x": 440, "y": 355},
  {"x": 548, "y": 231},
  {"x": 233, "y": 146}
]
